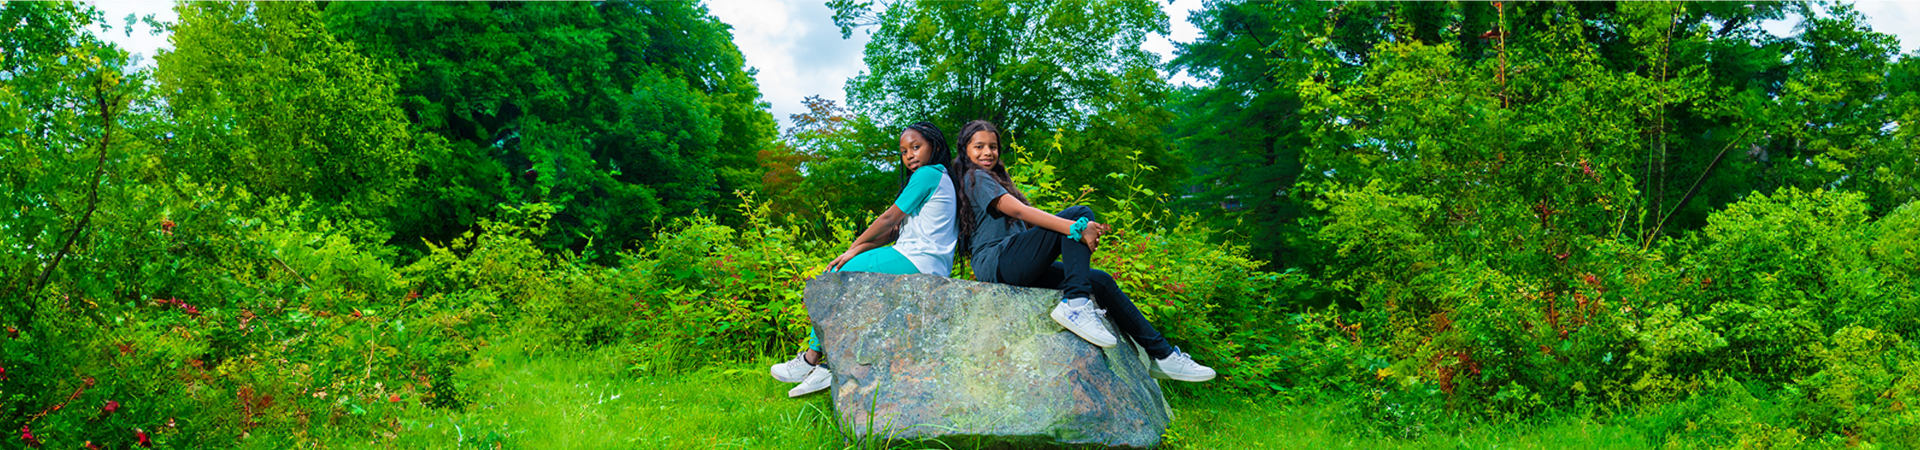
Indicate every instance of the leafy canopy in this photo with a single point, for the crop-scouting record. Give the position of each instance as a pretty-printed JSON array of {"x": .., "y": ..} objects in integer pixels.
[{"x": 1030, "y": 67}]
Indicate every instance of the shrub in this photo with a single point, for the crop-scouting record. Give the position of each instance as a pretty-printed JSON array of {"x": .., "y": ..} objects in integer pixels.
[
  {"x": 1767, "y": 294},
  {"x": 706, "y": 292}
]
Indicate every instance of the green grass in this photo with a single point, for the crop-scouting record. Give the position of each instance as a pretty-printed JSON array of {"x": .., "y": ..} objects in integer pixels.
[
  {"x": 587, "y": 401},
  {"x": 1218, "y": 422}
]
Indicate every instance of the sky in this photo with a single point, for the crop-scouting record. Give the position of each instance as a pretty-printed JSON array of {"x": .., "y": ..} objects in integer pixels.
[{"x": 799, "y": 52}]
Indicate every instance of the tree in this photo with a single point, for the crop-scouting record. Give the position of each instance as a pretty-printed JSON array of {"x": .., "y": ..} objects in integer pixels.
[
  {"x": 265, "y": 98},
  {"x": 76, "y": 130},
  {"x": 1030, "y": 67},
  {"x": 621, "y": 114},
  {"x": 1240, "y": 130},
  {"x": 831, "y": 164},
  {"x": 1836, "y": 120},
  {"x": 1519, "y": 160}
]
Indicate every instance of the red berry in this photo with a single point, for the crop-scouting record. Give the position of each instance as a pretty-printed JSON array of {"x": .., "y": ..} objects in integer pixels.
[
  {"x": 395, "y": 398},
  {"x": 112, "y": 406},
  {"x": 3, "y": 374}
]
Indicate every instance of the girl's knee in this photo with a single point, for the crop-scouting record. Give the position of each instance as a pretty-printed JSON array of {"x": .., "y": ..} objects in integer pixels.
[
  {"x": 1078, "y": 211},
  {"x": 1101, "y": 277}
]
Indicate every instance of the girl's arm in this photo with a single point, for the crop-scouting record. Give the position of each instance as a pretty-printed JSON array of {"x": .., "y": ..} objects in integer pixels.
[
  {"x": 883, "y": 231},
  {"x": 1013, "y": 208}
]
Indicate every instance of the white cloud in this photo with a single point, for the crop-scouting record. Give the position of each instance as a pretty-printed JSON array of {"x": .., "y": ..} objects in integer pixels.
[
  {"x": 1898, "y": 18},
  {"x": 141, "y": 43},
  {"x": 796, "y": 48},
  {"x": 1182, "y": 32}
]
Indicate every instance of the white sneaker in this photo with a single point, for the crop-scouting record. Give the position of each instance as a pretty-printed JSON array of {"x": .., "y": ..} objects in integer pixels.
[
  {"x": 1084, "y": 321},
  {"x": 1180, "y": 366},
  {"x": 817, "y": 380},
  {"x": 793, "y": 371}
]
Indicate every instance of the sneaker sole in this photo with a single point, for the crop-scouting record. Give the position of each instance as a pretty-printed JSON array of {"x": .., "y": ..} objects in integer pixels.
[
  {"x": 1062, "y": 320},
  {"x": 1181, "y": 377},
  {"x": 795, "y": 393},
  {"x": 776, "y": 376}
]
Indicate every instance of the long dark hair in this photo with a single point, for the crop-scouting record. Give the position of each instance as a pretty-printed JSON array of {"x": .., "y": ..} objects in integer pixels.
[
  {"x": 963, "y": 166},
  {"x": 942, "y": 154}
]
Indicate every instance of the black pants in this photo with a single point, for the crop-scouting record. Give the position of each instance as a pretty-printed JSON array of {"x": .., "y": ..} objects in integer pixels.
[{"x": 1028, "y": 260}]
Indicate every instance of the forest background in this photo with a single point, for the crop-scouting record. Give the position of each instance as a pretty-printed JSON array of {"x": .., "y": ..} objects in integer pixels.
[{"x": 339, "y": 224}]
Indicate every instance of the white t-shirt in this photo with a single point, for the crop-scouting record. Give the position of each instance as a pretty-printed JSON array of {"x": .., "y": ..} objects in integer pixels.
[{"x": 930, "y": 234}]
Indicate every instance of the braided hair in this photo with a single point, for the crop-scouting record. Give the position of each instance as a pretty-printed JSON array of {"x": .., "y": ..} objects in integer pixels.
[
  {"x": 963, "y": 166},
  {"x": 941, "y": 153}
]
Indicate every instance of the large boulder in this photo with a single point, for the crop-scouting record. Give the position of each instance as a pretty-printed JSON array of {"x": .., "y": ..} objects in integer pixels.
[{"x": 923, "y": 356}]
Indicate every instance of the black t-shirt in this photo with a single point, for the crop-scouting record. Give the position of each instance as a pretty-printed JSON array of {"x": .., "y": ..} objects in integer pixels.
[{"x": 991, "y": 227}]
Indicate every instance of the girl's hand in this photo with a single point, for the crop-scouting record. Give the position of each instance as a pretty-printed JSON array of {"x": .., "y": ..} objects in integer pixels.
[
  {"x": 841, "y": 260},
  {"x": 1091, "y": 235}
]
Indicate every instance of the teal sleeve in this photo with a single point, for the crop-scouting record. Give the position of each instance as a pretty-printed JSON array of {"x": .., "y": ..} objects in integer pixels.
[{"x": 919, "y": 189}]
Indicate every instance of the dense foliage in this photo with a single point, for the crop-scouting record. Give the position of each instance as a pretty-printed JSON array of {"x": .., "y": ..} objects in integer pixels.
[
  {"x": 308, "y": 223},
  {"x": 1032, "y": 67},
  {"x": 620, "y": 114},
  {"x": 1520, "y": 209}
]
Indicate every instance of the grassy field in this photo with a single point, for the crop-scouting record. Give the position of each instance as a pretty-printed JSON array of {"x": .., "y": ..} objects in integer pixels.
[{"x": 588, "y": 401}]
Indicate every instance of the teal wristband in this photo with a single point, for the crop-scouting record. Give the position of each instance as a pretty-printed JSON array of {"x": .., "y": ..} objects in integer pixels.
[{"x": 1078, "y": 226}]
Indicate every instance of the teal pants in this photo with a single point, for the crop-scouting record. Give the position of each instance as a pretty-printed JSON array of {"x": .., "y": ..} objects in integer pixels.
[{"x": 880, "y": 260}]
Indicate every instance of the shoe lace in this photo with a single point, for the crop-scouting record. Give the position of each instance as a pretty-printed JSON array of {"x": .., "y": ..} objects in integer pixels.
[
  {"x": 1091, "y": 316},
  {"x": 1180, "y": 358}
]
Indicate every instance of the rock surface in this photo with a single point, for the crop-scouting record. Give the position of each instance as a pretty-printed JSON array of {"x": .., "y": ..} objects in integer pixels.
[{"x": 923, "y": 356}]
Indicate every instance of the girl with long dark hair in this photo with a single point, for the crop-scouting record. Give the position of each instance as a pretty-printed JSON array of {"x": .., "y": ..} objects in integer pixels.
[
  {"x": 1012, "y": 242},
  {"x": 919, "y": 224}
]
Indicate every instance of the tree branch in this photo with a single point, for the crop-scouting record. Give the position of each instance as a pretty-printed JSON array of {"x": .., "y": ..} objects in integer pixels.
[
  {"x": 93, "y": 191},
  {"x": 1695, "y": 189}
]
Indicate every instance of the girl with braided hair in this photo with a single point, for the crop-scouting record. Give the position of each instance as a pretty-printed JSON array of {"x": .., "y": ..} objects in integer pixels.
[
  {"x": 1012, "y": 242},
  {"x": 919, "y": 224}
]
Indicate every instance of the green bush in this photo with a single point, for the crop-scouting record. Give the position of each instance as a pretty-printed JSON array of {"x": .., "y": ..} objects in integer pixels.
[
  {"x": 705, "y": 292},
  {"x": 1771, "y": 294}
]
